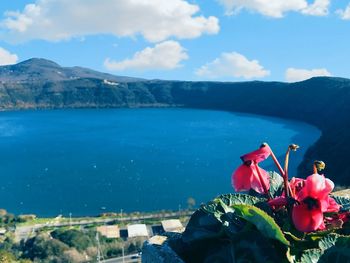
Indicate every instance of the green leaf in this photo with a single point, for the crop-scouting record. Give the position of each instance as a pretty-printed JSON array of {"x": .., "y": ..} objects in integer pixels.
[
  {"x": 202, "y": 226},
  {"x": 337, "y": 249},
  {"x": 328, "y": 241},
  {"x": 211, "y": 219},
  {"x": 263, "y": 222},
  {"x": 253, "y": 246},
  {"x": 222, "y": 204},
  {"x": 319, "y": 234},
  {"x": 276, "y": 184},
  {"x": 311, "y": 256},
  {"x": 238, "y": 199}
]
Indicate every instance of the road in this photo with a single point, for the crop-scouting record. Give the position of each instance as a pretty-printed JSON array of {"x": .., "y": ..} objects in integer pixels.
[
  {"x": 133, "y": 258},
  {"x": 23, "y": 232}
]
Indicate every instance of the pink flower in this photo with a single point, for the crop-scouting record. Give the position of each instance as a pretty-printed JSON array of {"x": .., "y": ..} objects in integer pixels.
[
  {"x": 249, "y": 175},
  {"x": 258, "y": 155},
  {"x": 313, "y": 200}
]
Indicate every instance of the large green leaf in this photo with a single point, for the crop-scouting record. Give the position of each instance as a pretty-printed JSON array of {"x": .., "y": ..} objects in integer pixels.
[
  {"x": 263, "y": 222},
  {"x": 222, "y": 205},
  {"x": 202, "y": 226},
  {"x": 332, "y": 248},
  {"x": 217, "y": 216},
  {"x": 337, "y": 249},
  {"x": 253, "y": 246},
  {"x": 238, "y": 199}
]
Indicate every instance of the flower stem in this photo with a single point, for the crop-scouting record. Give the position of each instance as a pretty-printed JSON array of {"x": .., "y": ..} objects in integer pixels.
[
  {"x": 289, "y": 191},
  {"x": 285, "y": 174},
  {"x": 279, "y": 167},
  {"x": 262, "y": 182}
]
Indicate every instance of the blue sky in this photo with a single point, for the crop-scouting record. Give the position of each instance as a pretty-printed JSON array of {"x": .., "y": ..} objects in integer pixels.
[{"x": 221, "y": 40}]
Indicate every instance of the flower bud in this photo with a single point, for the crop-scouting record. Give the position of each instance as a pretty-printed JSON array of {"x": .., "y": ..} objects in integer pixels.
[
  {"x": 319, "y": 165},
  {"x": 293, "y": 147}
]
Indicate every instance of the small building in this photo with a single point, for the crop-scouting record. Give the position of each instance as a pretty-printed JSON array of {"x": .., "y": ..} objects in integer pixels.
[
  {"x": 137, "y": 230},
  {"x": 109, "y": 231},
  {"x": 172, "y": 225}
]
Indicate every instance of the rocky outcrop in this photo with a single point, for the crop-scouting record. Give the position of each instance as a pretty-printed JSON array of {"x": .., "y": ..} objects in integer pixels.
[{"x": 158, "y": 249}]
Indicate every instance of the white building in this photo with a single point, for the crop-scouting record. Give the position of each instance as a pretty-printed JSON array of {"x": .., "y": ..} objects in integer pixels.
[{"x": 137, "y": 230}]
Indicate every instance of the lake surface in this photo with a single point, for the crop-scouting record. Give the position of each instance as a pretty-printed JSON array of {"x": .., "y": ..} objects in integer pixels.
[{"x": 82, "y": 161}]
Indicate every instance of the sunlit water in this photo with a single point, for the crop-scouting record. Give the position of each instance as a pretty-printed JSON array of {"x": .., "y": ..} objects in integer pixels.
[{"x": 82, "y": 161}]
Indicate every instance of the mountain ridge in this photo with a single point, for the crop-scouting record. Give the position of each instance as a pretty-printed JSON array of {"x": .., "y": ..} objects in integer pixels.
[{"x": 39, "y": 69}]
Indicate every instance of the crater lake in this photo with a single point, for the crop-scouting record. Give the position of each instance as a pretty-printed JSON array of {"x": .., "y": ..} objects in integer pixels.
[{"x": 82, "y": 161}]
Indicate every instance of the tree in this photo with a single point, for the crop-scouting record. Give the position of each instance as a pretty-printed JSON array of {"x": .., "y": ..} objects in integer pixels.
[
  {"x": 42, "y": 247},
  {"x": 191, "y": 202},
  {"x": 73, "y": 238}
]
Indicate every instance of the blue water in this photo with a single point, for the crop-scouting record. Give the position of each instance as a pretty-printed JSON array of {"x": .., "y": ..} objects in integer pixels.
[{"x": 79, "y": 161}]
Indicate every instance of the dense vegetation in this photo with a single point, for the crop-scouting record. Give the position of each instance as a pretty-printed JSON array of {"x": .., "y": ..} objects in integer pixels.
[
  {"x": 323, "y": 102},
  {"x": 66, "y": 245}
]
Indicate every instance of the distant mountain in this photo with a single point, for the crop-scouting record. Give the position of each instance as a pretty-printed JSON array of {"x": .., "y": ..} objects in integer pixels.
[
  {"x": 38, "y": 69},
  {"x": 323, "y": 101}
]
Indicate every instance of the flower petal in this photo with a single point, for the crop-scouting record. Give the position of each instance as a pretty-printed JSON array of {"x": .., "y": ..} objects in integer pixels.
[
  {"x": 329, "y": 205},
  {"x": 242, "y": 177},
  {"x": 315, "y": 184},
  {"x": 256, "y": 183},
  {"x": 258, "y": 155},
  {"x": 246, "y": 177},
  {"x": 307, "y": 220}
]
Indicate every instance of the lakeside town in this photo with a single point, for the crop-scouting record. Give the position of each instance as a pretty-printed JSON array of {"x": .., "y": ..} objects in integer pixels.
[{"x": 109, "y": 237}]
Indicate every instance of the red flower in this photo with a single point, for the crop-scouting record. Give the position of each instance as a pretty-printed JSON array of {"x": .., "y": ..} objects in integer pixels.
[
  {"x": 249, "y": 175},
  {"x": 313, "y": 200}
]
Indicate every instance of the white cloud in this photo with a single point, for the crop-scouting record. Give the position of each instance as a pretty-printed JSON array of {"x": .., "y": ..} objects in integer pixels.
[
  {"x": 155, "y": 20},
  {"x": 294, "y": 74},
  {"x": 232, "y": 65},
  {"x": 276, "y": 8},
  {"x": 344, "y": 14},
  {"x": 163, "y": 56},
  {"x": 318, "y": 8},
  {"x": 6, "y": 58}
]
